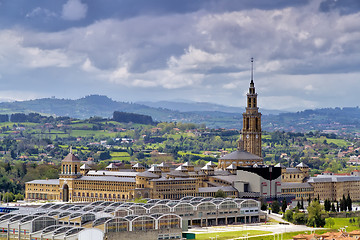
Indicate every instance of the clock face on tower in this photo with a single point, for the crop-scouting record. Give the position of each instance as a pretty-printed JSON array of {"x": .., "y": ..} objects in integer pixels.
[
  {"x": 247, "y": 136},
  {"x": 257, "y": 136}
]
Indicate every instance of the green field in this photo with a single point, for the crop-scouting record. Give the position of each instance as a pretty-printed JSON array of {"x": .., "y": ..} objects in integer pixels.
[
  {"x": 120, "y": 156},
  {"x": 339, "y": 142},
  {"x": 229, "y": 235}
]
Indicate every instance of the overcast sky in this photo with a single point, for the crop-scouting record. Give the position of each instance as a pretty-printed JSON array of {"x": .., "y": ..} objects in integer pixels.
[{"x": 307, "y": 53}]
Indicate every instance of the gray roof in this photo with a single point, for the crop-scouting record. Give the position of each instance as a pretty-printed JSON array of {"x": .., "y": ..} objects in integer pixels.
[
  {"x": 106, "y": 178},
  {"x": 138, "y": 165},
  {"x": 163, "y": 165},
  {"x": 85, "y": 166},
  {"x": 215, "y": 189},
  {"x": 302, "y": 165},
  {"x": 148, "y": 174},
  {"x": 71, "y": 158},
  {"x": 293, "y": 170},
  {"x": 221, "y": 172},
  {"x": 181, "y": 168},
  {"x": 295, "y": 185},
  {"x": 111, "y": 165},
  {"x": 231, "y": 167},
  {"x": 229, "y": 179},
  {"x": 172, "y": 179},
  {"x": 109, "y": 173},
  {"x": 333, "y": 178},
  {"x": 178, "y": 173},
  {"x": 211, "y": 164},
  {"x": 154, "y": 169},
  {"x": 240, "y": 155},
  {"x": 207, "y": 167},
  {"x": 196, "y": 173},
  {"x": 280, "y": 165},
  {"x": 45, "y": 181}
]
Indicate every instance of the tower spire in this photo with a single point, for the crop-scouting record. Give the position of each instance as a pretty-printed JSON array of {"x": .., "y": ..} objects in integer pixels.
[{"x": 252, "y": 70}]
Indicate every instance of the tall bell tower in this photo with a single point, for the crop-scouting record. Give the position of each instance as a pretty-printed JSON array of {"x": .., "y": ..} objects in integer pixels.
[{"x": 250, "y": 137}]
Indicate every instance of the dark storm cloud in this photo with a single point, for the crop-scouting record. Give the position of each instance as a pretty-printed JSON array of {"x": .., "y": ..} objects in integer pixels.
[
  {"x": 46, "y": 15},
  {"x": 199, "y": 50},
  {"x": 343, "y": 6}
]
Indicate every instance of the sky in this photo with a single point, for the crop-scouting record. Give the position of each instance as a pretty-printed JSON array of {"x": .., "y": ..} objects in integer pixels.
[{"x": 306, "y": 52}]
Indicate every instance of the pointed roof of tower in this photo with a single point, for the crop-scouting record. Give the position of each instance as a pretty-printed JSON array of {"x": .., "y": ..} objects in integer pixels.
[
  {"x": 207, "y": 167},
  {"x": 154, "y": 169},
  {"x": 211, "y": 164},
  {"x": 163, "y": 165},
  {"x": 71, "y": 158},
  {"x": 85, "y": 167},
  {"x": 111, "y": 165},
  {"x": 252, "y": 72},
  {"x": 280, "y": 165},
  {"x": 181, "y": 168},
  {"x": 138, "y": 165},
  {"x": 231, "y": 167},
  {"x": 302, "y": 165}
]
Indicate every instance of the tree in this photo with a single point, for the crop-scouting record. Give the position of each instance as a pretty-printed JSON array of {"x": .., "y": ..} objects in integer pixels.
[
  {"x": 327, "y": 205},
  {"x": 263, "y": 206},
  {"x": 299, "y": 218},
  {"x": 349, "y": 202},
  {"x": 220, "y": 194},
  {"x": 8, "y": 197},
  {"x": 343, "y": 206},
  {"x": 333, "y": 209},
  {"x": 19, "y": 197},
  {"x": 302, "y": 203},
  {"x": 284, "y": 206},
  {"x": 275, "y": 207},
  {"x": 289, "y": 216},
  {"x": 315, "y": 215}
]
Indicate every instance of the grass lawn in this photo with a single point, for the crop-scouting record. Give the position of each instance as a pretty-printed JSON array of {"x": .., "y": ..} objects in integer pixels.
[
  {"x": 119, "y": 154},
  {"x": 342, "y": 222},
  {"x": 285, "y": 236},
  {"x": 229, "y": 235},
  {"x": 88, "y": 133}
]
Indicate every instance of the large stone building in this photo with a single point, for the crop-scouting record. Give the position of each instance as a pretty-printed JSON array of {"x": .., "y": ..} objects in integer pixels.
[
  {"x": 79, "y": 183},
  {"x": 295, "y": 181},
  {"x": 333, "y": 187}
]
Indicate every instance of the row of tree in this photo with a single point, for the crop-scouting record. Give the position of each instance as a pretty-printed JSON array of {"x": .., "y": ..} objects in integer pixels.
[
  {"x": 345, "y": 204},
  {"x": 132, "y": 117}
]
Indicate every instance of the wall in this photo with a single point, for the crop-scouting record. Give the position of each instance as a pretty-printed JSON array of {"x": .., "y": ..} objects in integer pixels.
[{"x": 143, "y": 235}]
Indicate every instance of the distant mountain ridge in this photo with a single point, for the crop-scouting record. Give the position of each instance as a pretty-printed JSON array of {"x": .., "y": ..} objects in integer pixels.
[
  {"x": 213, "y": 115},
  {"x": 182, "y": 106}
]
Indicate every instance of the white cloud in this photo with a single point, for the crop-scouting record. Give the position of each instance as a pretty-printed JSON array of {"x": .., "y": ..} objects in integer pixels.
[
  {"x": 16, "y": 55},
  {"x": 298, "y": 51},
  {"x": 74, "y": 10},
  {"x": 41, "y": 12}
]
